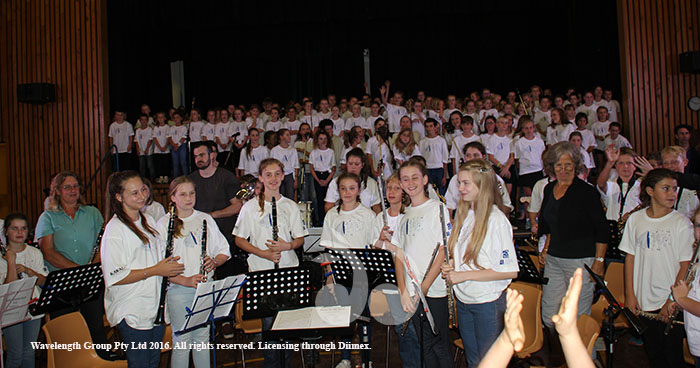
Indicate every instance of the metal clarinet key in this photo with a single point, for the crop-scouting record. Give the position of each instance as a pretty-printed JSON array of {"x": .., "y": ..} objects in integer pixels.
[
  {"x": 98, "y": 244},
  {"x": 275, "y": 229},
  {"x": 160, "y": 317},
  {"x": 202, "y": 270}
]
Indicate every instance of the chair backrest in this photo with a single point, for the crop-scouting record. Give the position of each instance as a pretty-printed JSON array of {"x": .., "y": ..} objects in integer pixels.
[
  {"x": 531, "y": 315},
  {"x": 70, "y": 329},
  {"x": 615, "y": 279},
  {"x": 378, "y": 304},
  {"x": 589, "y": 330}
]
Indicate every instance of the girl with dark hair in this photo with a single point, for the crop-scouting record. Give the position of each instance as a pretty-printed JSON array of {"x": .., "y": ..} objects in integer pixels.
[
  {"x": 659, "y": 244},
  {"x": 369, "y": 192},
  {"x": 253, "y": 154},
  {"x": 21, "y": 260},
  {"x": 133, "y": 267}
]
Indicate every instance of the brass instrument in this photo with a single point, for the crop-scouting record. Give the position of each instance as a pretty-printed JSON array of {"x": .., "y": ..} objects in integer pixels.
[
  {"x": 437, "y": 193},
  {"x": 202, "y": 270},
  {"x": 247, "y": 192},
  {"x": 623, "y": 220},
  {"x": 689, "y": 278},
  {"x": 430, "y": 264},
  {"x": 275, "y": 229},
  {"x": 98, "y": 245},
  {"x": 160, "y": 317},
  {"x": 450, "y": 294}
]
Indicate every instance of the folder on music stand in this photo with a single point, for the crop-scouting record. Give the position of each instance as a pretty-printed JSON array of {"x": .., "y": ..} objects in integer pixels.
[
  {"x": 213, "y": 301},
  {"x": 14, "y": 303},
  {"x": 69, "y": 288}
]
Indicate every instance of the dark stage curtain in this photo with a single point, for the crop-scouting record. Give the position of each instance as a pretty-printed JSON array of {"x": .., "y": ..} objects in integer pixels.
[{"x": 242, "y": 51}]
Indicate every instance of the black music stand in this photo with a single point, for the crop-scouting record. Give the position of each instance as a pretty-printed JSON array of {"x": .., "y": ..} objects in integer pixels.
[
  {"x": 348, "y": 264},
  {"x": 612, "y": 311},
  {"x": 69, "y": 288},
  {"x": 528, "y": 270},
  {"x": 270, "y": 291},
  {"x": 212, "y": 303},
  {"x": 613, "y": 250}
]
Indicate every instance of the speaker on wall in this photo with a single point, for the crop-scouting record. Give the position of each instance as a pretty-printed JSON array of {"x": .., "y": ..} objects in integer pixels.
[
  {"x": 690, "y": 62},
  {"x": 36, "y": 92}
]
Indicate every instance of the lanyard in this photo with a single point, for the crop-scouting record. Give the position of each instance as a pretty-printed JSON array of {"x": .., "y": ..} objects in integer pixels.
[{"x": 623, "y": 198}]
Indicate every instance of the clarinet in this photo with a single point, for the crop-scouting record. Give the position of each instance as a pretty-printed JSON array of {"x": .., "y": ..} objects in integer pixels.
[
  {"x": 98, "y": 244},
  {"x": 3, "y": 252},
  {"x": 160, "y": 317},
  {"x": 689, "y": 278},
  {"x": 450, "y": 295},
  {"x": 204, "y": 249},
  {"x": 275, "y": 229},
  {"x": 430, "y": 264}
]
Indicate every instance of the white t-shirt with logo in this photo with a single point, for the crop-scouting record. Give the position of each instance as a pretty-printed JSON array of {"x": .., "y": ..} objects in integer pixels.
[
  {"x": 349, "y": 229},
  {"x": 120, "y": 134},
  {"x": 529, "y": 154},
  {"x": 497, "y": 253},
  {"x": 250, "y": 165},
  {"x": 369, "y": 193},
  {"x": 143, "y": 137},
  {"x": 435, "y": 152},
  {"x": 161, "y": 134},
  {"x": 322, "y": 160},
  {"x": 287, "y": 156}
]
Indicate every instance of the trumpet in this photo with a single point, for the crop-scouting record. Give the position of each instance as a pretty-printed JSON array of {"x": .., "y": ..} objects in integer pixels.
[{"x": 689, "y": 278}]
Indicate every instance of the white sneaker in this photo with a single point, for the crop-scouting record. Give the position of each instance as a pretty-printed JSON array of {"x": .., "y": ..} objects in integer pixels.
[{"x": 345, "y": 363}]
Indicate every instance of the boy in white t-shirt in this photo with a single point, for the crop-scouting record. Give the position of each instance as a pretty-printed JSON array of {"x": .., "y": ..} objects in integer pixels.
[
  {"x": 600, "y": 130},
  {"x": 121, "y": 134},
  {"x": 177, "y": 136},
  {"x": 144, "y": 148},
  {"x": 434, "y": 149},
  {"x": 394, "y": 108},
  {"x": 356, "y": 119},
  {"x": 500, "y": 152},
  {"x": 161, "y": 148},
  {"x": 615, "y": 138},
  {"x": 196, "y": 126},
  {"x": 209, "y": 129},
  {"x": 461, "y": 140}
]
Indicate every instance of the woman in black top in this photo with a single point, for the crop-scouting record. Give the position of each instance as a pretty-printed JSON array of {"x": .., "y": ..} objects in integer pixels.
[{"x": 573, "y": 219}]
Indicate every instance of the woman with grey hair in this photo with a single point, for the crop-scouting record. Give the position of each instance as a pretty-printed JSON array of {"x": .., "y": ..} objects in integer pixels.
[{"x": 573, "y": 219}]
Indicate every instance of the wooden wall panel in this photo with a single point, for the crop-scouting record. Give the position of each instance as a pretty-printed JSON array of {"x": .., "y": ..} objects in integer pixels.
[
  {"x": 63, "y": 42},
  {"x": 654, "y": 92}
]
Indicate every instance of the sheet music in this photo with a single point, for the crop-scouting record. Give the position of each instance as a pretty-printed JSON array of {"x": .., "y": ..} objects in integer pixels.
[
  {"x": 313, "y": 317},
  {"x": 223, "y": 291},
  {"x": 14, "y": 300}
]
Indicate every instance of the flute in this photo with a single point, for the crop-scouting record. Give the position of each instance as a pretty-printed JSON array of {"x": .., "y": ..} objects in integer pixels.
[
  {"x": 275, "y": 229},
  {"x": 450, "y": 295},
  {"x": 425, "y": 276},
  {"x": 98, "y": 244},
  {"x": 381, "y": 185},
  {"x": 202, "y": 270},
  {"x": 160, "y": 317}
]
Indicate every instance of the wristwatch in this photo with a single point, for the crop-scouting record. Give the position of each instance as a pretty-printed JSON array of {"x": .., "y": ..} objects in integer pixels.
[{"x": 600, "y": 259}]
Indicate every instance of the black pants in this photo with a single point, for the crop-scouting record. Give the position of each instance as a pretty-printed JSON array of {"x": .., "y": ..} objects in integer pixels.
[
  {"x": 663, "y": 350},
  {"x": 319, "y": 213},
  {"x": 437, "y": 350},
  {"x": 287, "y": 188},
  {"x": 93, "y": 314},
  {"x": 125, "y": 161}
]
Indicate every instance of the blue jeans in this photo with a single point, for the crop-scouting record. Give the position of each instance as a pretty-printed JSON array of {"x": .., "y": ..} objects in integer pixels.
[
  {"x": 435, "y": 177},
  {"x": 410, "y": 357},
  {"x": 180, "y": 297},
  {"x": 179, "y": 161},
  {"x": 18, "y": 338},
  {"x": 146, "y": 163},
  {"x": 479, "y": 326},
  {"x": 272, "y": 356},
  {"x": 146, "y": 358}
]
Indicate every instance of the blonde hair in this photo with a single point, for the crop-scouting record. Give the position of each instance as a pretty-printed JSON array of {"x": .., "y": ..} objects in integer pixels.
[
  {"x": 402, "y": 147},
  {"x": 673, "y": 150},
  {"x": 484, "y": 178},
  {"x": 405, "y": 201},
  {"x": 55, "y": 200},
  {"x": 179, "y": 224}
]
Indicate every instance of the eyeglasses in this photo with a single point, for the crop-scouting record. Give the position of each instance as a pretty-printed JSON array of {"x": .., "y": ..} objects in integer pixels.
[
  {"x": 560, "y": 167},
  {"x": 71, "y": 187}
]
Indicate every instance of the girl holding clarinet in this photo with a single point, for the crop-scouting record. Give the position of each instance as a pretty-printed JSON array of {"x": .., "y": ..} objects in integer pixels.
[
  {"x": 134, "y": 266},
  {"x": 201, "y": 249}
]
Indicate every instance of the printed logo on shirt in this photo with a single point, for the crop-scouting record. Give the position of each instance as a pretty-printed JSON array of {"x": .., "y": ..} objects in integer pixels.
[
  {"x": 505, "y": 255},
  {"x": 114, "y": 272}
]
